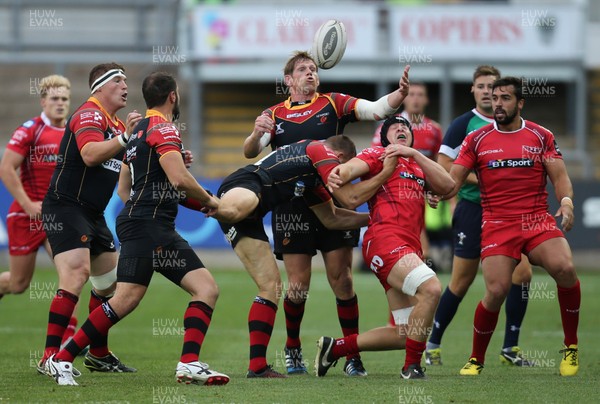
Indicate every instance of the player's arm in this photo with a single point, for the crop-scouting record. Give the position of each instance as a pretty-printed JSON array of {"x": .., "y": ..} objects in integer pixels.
[
  {"x": 459, "y": 174},
  {"x": 352, "y": 195},
  {"x": 11, "y": 161},
  {"x": 260, "y": 136},
  {"x": 437, "y": 178},
  {"x": 181, "y": 179},
  {"x": 563, "y": 189},
  {"x": 94, "y": 149},
  {"x": 335, "y": 218},
  {"x": 125, "y": 184},
  {"x": 386, "y": 105},
  {"x": 446, "y": 161}
]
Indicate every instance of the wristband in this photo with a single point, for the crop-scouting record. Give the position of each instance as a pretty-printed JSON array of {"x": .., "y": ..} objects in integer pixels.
[
  {"x": 566, "y": 201},
  {"x": 122, "y": 140}
]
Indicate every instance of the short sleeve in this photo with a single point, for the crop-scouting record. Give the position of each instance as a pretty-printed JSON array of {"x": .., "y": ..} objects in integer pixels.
[
  {"x": 466, "y": 156},
  {"x": 22, "y": 139},
  {"x": 164, "y": 138},
  {"x": 344, "y": 104},
  {"x": 371, "y": 156},
  {"x": 323, "y": 159},
  {"x": 88, "y": 125}
]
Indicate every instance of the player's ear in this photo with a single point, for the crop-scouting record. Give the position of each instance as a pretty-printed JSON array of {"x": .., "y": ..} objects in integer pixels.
[{"x": 288, "y": 80}]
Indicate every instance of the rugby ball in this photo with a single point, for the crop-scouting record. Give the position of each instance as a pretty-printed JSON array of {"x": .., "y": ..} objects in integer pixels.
[{"x": 329, "y": 44}]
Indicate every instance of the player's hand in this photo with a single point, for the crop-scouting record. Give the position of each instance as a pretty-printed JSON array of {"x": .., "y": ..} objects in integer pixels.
[
  {"x": 132, "y": 119},
  {"x": 211, "y": 206},
  {"x": 188, "y": 158},
  {"x": 262, "y": 124},
  {"x": 397, "y": 150},
  {"x": 334, "y": 181},
  {"x": 404, "y": 83},
  {"x": 568, "y": 217},
  {"x": 432, "y": 200},
  {"x": 34, "y": 210}
]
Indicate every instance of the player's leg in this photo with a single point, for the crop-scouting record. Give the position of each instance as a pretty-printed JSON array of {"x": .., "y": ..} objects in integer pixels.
[
  {"x": 295, "y": 237},
  {"x": 515, "y": 308},
  {"x": 329, "y": 350},
  {"x": 298, "y": 270},
  {"x": 554, "y": 255},
  {"x": 191, "y": 275},
  {"x": 414, "y": 278},
  {"x": 259, "y": 262},
  {"x": 497, "y": 273},
  {"x": 338, "y": 265},
  {"x": 466, "y": 232},
  {"x": 25, "y": 236},
  {"x": 236, "y": 204},
  {"x": 73, "y": 268},
  {"x": 18, "y": 277}
]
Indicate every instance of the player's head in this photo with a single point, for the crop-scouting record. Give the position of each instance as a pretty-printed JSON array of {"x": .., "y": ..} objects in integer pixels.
[
  {"x": 483, "y": 78},
  {"x": 300, "y": 74},
  {"x": 397, "y": 130},
  {"x": 416, "y": 101},
  {"x": 159, "y": 88},
  {"x": 55, "y": 93},
  {"x": 507, "y": 98},
  {"x": 108, "y": 83},
  {"x": 343, "y": 146}
]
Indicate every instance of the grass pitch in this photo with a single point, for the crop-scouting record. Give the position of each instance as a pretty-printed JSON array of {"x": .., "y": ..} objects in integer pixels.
[{"x": 150, "y": 340}]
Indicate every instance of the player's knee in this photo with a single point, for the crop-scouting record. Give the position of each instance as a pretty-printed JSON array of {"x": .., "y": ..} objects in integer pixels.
[
  {"x": 16, "y": 288},
  {"x": 431, "y": 290},
  {"x": 565, "y": 272},
  {"x": 498, "y": 290}
]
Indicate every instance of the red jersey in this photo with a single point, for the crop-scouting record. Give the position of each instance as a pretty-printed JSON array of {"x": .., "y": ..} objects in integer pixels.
[
  {"x": 38, "y": 142},
  {"x": 427, "y": 136},
  {"x": 323, "y": 116},
  {"x": 509, "y": 166},
  {"x": 399, "y": 204}
]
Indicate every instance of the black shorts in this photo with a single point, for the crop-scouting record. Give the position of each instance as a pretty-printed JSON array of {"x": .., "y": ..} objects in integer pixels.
[
  {"x": 252, "y": 226},
  {"x": 297, "y": 230},
  {"x": 153, "y": 245},
  {"x": 466, "y": 229},
  {"x": 70, "y": 226}
]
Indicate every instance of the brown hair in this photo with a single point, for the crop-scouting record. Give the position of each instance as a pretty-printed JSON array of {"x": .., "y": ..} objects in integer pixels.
[
  {"x": 486, "y": 70},
  {"x": 100, "y": 69},
  {"x": 342, "y": 143},
  {"x": 297, "y": 56}
]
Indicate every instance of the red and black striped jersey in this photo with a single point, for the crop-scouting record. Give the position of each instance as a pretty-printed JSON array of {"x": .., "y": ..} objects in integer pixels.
[
  {"x": 152, "y": 195},
  {"x": 323, "y": 116},
  {"x": 73, "y": 181},
  {"x": 298, "y": 170}
]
